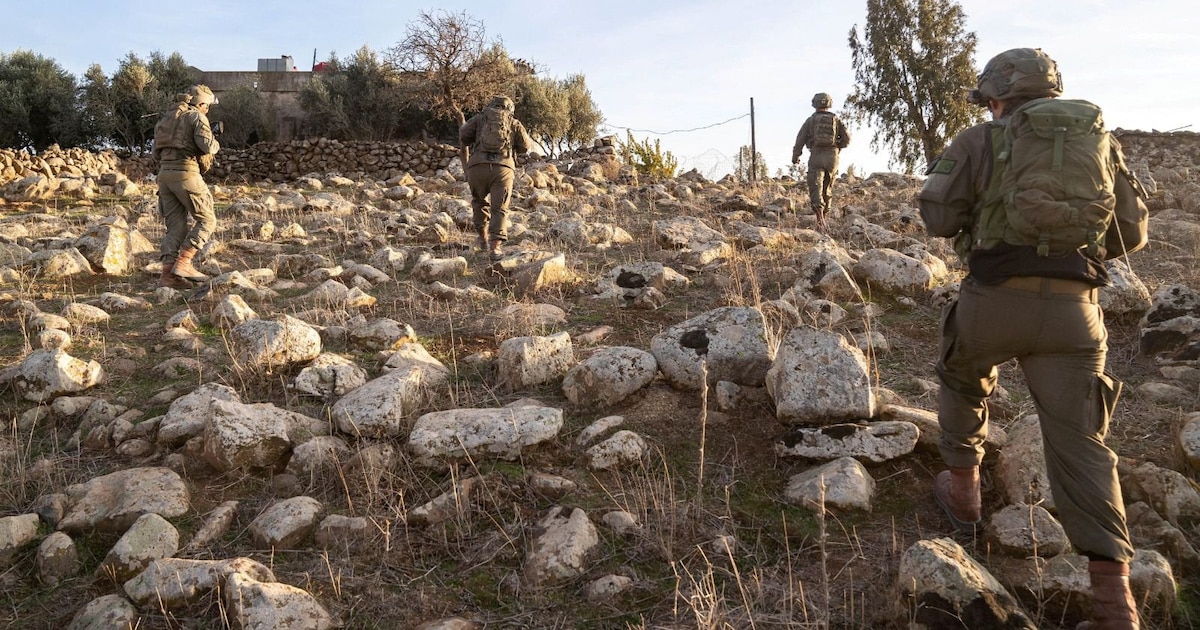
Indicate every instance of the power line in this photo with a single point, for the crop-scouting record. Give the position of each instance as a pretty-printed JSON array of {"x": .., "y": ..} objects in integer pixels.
[{"x": 667, "y": 133}]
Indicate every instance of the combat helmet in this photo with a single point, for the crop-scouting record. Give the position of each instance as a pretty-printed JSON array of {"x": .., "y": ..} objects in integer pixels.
[
  {"x": 202, "y": 94},
  {"x": 821, "y": 100},
  {"x": 1020, "y": 72},
  {"x": 500, "y": 101}
]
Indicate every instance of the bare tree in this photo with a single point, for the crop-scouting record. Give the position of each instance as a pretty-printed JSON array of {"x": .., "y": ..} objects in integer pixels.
[
  {"x": 909, "y": 73},
  {"x": 455, "y": 66}
]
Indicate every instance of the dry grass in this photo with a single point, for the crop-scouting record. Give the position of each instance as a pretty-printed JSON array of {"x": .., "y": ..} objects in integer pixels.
[{"x": 710, "y": 475}]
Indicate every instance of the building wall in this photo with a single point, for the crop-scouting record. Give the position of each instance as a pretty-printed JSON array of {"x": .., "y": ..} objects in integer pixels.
[{"x": 280, "y": 91}]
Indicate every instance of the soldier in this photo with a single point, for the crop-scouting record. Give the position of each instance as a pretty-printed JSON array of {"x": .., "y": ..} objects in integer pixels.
[
  {"x": 1024, "y": 299},
  {"x": 824, "y": 135},
  {"x": 490, "y": 140},
  {"x": 184, "y": 147}
]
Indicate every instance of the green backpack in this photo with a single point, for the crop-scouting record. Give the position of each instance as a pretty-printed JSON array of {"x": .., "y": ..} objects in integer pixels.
[
  {"x": 1053, "y": 179},
  {"x": 824, "y": 130},
  {"x": 495, "y": 131}
]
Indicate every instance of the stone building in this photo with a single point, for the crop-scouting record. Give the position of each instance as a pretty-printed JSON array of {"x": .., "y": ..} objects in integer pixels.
[{"x": 279, "y": 83}]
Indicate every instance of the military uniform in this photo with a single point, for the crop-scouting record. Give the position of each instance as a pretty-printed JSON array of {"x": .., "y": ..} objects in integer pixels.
[
  {"x": 490, "y": 175},
  {"x": 183, "y": 140},
  {"x": 822, "y": 161},
  {"x": 1042, "y": 311}
]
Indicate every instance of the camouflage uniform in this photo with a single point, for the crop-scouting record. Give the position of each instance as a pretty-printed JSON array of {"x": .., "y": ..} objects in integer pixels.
[
  {"x": 822, "y": 161},
  {"x": 490, "y": 175},
  {"x": 1042, "y": 311},
  {"x": 182, "y": 140}
]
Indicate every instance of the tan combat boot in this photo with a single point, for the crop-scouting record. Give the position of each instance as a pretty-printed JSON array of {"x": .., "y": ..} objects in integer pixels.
[
  {"x": 168, "y": 279},
  {"x": 495, "y": 251},
  {"x": 957, "y": 492},
  {"x": 1113, "y": 607},
  {"x": 183, "y": 265}
]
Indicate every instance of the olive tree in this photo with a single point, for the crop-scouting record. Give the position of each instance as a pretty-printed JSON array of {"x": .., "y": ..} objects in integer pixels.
[
  {"x": 910, "y": 66},
  {"x": 559, "y": 114},
  {"x": 139, "y": 92},
  {"x": 245, "y": 116},
  {"x": 361, "y": 97},
  {"x": 37, "y": 102}
]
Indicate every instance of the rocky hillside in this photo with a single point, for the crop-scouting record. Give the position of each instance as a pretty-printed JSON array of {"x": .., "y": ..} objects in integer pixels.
[{"x": 671, "y": 405}]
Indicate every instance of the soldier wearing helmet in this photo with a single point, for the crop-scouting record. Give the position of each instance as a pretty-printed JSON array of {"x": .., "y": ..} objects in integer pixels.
[
  {"x": 824, "y": 135},
  {"x": 490, "y": 141},
  {"x": 184, "y": 147},
  {"x": 1013, "y": 294}
]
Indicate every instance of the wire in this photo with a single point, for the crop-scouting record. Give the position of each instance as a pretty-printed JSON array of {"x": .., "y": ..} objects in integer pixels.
[{"x": 667, "y": 133}]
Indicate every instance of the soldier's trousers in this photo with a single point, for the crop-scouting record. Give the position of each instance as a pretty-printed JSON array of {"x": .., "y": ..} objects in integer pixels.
[
  {"x": 491, "y": 191},
  {"x": 1055, "y": 330},
  {"x": 183, "y": 197},
  {"x": 822, "y": 169}
]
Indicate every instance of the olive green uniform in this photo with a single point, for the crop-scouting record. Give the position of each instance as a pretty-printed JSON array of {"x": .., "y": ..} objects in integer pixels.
[
  {"x": 490, "y": 177},
  {"x": 1042, "y": 311},
  {"x": 822, "y": 161},
  {"x": 182, "y": 138}
]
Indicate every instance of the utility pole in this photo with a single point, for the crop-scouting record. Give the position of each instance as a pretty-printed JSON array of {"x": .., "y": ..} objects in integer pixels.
[{"x": 753, "y": 146}]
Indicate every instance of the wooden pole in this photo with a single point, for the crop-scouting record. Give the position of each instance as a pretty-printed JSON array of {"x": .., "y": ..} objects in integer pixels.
[{"x": 753, "y": 146}]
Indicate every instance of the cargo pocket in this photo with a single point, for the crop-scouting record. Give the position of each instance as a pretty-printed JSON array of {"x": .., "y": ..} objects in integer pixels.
[
  {"x": 1105, "y": 391},
  {"x": 949, "y": 332}
]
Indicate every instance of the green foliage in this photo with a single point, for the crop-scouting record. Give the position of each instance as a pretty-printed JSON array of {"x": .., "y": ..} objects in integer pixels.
[
  {"x": 909, "y": 70},
  {"x": 559, "y": 114},
  {"x": 585, "y": 117},
  {"x": 37, "y": 102},
  {"x": 245, "y": 116},
  {"x": 97, "y": 120},
  {"x": 361, "y": 98},
  {"x": 444, "y": 67},
  {"x": 139, "y": 92},
  {"x": 745, "y": 171},
  {"x": 543, "y": 108},
  {"x": 646, "y": 157}
]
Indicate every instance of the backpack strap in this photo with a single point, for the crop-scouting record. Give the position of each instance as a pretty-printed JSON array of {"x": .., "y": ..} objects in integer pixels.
[{"x": 989, "y": 222}]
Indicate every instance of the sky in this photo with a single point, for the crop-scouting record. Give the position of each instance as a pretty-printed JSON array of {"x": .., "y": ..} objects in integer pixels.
[{"x": 684, "y": 73}]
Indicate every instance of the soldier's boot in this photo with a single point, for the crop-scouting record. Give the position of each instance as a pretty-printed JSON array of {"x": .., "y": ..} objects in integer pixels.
[
  {"x": 183, "y": 265},
  {"x": 819, "y": 213},
  {"x": 495, "y": 250},
  {"x": 1113, "y": 606},
  {"x": 168, "y": 279},
  {"x": 481, "y": 240},
  {"x": 957, "y": 492}
]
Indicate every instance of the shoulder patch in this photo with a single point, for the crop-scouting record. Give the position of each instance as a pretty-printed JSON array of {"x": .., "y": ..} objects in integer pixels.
[{"x": 943, "y": 166}]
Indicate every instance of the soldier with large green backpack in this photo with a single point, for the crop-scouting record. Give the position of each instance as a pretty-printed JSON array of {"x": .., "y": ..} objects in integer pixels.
[
  {"x": 1036, "y": 201},
  {"x": 490, "y": 141},
  {"x": 825, "y": 136}
]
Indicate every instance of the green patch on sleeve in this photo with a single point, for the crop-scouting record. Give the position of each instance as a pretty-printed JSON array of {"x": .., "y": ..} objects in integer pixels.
[{"x": 943, "y": 166}]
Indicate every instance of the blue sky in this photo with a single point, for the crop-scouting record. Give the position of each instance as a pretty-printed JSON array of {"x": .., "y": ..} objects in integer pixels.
[{"x": 665, "y": 65}]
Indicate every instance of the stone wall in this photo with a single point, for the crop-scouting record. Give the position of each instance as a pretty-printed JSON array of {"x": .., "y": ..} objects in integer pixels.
[
  {"x": 55, "y": 162},
  {"x": 286, "y": 161},
  {"x": 1151, "y": 151}
]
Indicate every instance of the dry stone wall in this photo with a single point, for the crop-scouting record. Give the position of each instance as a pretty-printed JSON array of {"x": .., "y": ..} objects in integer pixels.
[
  {"x": 1148, "y": 151},
  {"x": 56, "y": 162},
  {"x": 354, "y": 159}
]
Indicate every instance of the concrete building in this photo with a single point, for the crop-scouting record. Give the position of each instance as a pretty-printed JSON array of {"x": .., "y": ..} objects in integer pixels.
[{"x": 278, "y": 82}]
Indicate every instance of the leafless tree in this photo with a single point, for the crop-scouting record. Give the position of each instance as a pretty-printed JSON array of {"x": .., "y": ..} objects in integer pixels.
[{"x": 454, "y": 66}]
